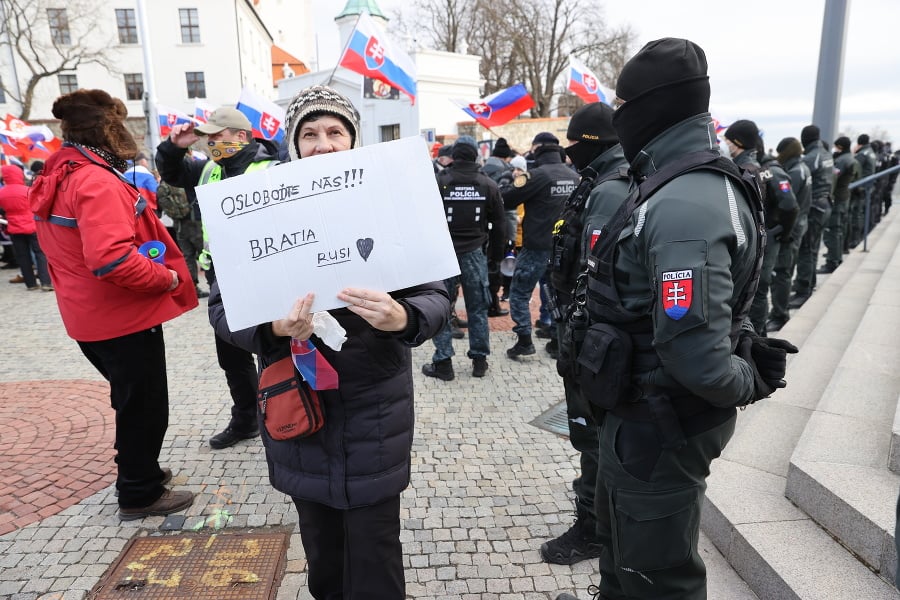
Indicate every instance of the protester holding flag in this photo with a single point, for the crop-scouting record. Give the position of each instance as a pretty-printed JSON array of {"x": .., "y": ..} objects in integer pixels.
[
  {"x": 234, "y": 151},
  {"x": 346, "y": 479}
]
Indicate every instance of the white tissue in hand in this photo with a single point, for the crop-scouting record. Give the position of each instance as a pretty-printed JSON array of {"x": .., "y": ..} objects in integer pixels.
[{"x": 329, "y": 330}]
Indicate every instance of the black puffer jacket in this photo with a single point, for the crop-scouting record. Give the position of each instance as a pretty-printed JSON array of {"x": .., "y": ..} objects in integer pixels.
[{"x": 362, "y": 455}]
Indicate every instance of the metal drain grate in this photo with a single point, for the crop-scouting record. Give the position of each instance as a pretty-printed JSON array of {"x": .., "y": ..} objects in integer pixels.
[
  {"x": 555, "y": 420},
  {"x": 213, "y": 566}
]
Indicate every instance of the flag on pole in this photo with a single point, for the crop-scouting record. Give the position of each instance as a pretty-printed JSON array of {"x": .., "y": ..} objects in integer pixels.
[
  {"x": 584, "y": 84},
  {"x": 500, "y": 107},
  {"x": 371, "y": 54},
  {"x": 202, "y": 110},
  {"x": 266, "y": 117},
  {"x": 168, "y": 118}
]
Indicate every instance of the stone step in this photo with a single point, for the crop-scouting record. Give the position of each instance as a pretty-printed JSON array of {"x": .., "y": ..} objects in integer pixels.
[
  {"x": 839, "y": 473},
  {"x": 776, "y": 547}
]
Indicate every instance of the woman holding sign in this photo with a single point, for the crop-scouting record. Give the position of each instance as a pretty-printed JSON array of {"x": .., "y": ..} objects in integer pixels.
[{"x": 346, "y": 479}]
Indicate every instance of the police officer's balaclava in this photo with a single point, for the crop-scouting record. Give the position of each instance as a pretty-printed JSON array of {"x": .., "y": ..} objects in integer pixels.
[
  {"x": 592, "y": 130},
  {"x": 315, "y": 101},
  {"x": 663, "y": 84},
  {"x": 809, "y": 134}
]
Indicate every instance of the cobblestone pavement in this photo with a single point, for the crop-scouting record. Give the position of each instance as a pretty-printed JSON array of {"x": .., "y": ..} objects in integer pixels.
[{"x": 488, "y": 488}]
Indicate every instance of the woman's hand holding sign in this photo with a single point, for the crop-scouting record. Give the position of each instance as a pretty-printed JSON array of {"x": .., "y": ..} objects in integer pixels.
[
  {"x": 377, "y": 308},
  {"x": 298, "y": 323}
]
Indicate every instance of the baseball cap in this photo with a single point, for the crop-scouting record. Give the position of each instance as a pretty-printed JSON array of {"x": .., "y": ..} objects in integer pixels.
[{"x": 223, "y": 118}]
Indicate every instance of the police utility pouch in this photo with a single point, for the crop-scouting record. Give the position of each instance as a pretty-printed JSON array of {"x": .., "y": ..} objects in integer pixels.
[
  {"x": 604, "y": 364},
  {"x": 289, "y": 407}
]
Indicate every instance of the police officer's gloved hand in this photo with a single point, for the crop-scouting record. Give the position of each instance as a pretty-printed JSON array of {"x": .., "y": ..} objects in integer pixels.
[{"x": 768, "y": 359}]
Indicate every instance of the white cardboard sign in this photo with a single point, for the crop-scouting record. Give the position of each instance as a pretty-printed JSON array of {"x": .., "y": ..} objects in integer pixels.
[{"x": 366, "y": 218}]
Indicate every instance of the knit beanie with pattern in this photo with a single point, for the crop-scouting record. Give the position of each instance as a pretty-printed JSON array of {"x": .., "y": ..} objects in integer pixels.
[{"x": 315, "y": 101}]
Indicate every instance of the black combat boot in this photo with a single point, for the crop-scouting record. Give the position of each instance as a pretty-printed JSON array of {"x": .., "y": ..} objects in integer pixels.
[
  {"x": 479, "y": 366},
  {"x": 575, "y": 545},
  {"x": 523, "y": 347},
  {"x": 442, "y": 369}
]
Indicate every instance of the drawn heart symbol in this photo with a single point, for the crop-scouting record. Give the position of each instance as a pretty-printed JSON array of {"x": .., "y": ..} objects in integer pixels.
[{"x": 365, "y": 245}]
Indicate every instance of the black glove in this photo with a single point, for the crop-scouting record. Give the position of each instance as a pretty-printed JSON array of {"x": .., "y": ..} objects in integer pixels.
[{"x": 768, "y": 359}]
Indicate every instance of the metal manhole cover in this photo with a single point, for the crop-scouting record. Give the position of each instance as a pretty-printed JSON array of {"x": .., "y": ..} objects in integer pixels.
[
  {"x": 555, "y": 420},
  {"x": 213, "y": 566}
]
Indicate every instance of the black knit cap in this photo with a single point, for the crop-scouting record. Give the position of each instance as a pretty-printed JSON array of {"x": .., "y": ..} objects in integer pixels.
[
  {"x": 863, "y": 139},
  {"x": 743, "y": 133},
  {"x": 545, "y": 137},
  {"x": 809, "y": 134},
  {"x": 501, "y": 149},
  {"x": 665, "y": 83},
  {"x": 592, "y": 123},
  {"x": 842, "y": 142},
  {"x": 661, "y": 63},
  {"x": 464, "y": 151}
]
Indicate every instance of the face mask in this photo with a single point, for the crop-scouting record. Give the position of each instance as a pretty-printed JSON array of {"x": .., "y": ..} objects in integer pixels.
[
  {"x": 220, "y": 149},
  {"x": 582, "y": 154}
]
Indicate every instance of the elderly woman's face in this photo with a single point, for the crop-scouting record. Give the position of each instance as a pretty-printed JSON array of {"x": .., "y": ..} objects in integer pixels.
[{"x": 322, "y": 135}]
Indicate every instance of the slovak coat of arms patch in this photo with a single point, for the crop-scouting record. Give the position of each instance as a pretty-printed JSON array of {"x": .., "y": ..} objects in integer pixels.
[{"x": 677, "y": 292}]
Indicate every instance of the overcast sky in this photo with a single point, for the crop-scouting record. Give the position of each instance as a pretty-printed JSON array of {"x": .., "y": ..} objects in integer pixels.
[{"x": 763, "y": 57}]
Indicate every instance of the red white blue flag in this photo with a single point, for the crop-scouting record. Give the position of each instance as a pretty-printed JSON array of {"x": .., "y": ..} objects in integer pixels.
[
  {"x": 316, "y": 371},
  {"x": 500, "y": 107},
  {"x": 584, "y": 84},
  {"x": 202, "y": 110},
  {"x": 168, "y": 118},
  {"x": 677, "y": 292},
  {"x": 371, "y": 54},
  {"x": 266, "y": 117}
]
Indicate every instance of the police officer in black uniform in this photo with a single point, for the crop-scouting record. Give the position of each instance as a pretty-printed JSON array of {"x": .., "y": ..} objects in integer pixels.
[
  {"x": 596, "y": 154},
  {"x": 746, "y": 147},
  {"x": 472, "y": 202},
  {"x": 670, "y": 280},
  {"x": 789, "y": 150},
  {"x": 543, "y": 191},
  {"x": 821, "y": 165},
  {"x": 846, "y": 171}
]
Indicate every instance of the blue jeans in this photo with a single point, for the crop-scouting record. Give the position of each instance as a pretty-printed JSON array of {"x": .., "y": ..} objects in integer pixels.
[
  {"x": 474, "y": 280},
  {"x": 530, "y": 267}
]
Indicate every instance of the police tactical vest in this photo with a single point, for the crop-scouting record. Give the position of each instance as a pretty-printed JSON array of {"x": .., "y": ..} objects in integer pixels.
[
  {"x": 603, "y": 302},
  {"x": 626, "y": 337},
  {"x": 465, "y": 203},
  {"x": 565, "y": 257}
]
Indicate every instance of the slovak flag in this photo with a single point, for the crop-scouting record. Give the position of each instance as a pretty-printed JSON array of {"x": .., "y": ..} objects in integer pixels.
[
  {"x": 584, "y": 84},
  {"x": 266, "y": 117},
  {"x": 202, "y": 110},
  {"x": 168, "y": 118},
  {"x": 500, "y": 107},
  {"x": 371, "y": 54},
  {"x": 316, "y": 371}
]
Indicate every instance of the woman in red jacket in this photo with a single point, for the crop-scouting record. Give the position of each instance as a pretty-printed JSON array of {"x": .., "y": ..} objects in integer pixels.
[
  {"x": 20, "y": 225},
  {"x": 112, "y": 299}
]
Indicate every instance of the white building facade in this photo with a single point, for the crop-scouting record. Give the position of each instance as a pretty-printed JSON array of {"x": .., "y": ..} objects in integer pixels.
[{"x": 206, "y": 49}]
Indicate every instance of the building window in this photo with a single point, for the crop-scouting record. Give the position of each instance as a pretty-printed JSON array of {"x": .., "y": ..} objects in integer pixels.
[
  {"x": 390, "y": 132},
  {"x": 134, "y": 86},
  {"x": 67, "y": 83},
  {"x": 190, "y": 25},
  {"x": 196, "y": 84},
  {"x": 59, "y": 26},
  {"x": 127, "y": 26}
]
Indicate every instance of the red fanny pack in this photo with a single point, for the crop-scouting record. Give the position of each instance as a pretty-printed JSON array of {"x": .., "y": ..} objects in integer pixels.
[{"x": 289, "y": 407}]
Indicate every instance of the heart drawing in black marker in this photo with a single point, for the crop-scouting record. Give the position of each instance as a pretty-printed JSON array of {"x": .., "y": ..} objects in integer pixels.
[{"x": 365, "y": 245}]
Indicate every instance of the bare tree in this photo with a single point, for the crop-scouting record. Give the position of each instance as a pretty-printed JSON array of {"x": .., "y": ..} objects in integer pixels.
[
  {"x": 525, "y": 41},
  {"x": 46, "y": 38}
]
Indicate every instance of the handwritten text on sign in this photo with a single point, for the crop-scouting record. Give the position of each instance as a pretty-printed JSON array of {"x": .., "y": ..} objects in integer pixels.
[{"x": 367, "y": 218}]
